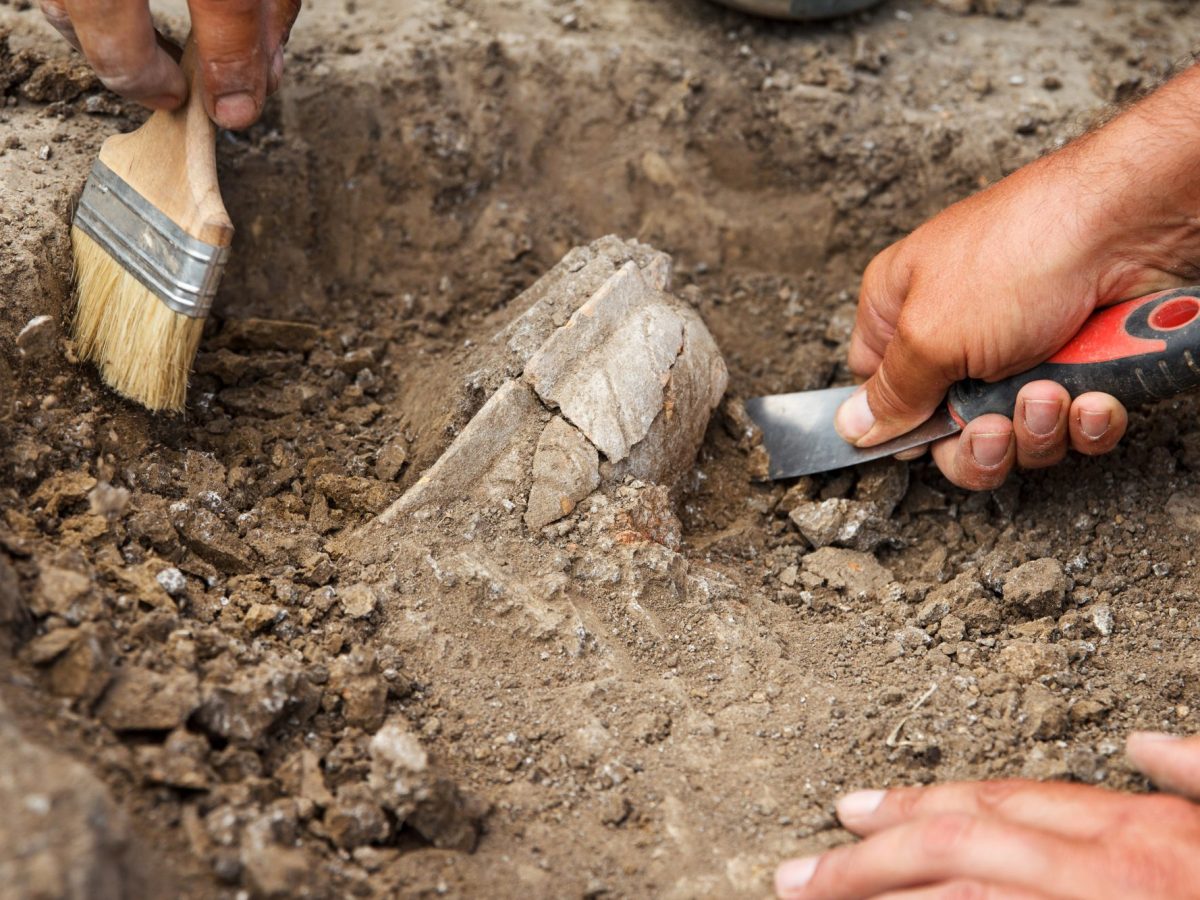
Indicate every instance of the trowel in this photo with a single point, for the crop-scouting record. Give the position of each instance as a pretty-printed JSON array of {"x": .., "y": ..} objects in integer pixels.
[{"x": 1138, "y": 350}]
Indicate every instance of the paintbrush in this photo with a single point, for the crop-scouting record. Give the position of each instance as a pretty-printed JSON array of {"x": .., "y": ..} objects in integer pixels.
[{"x": 151, "y": 237}]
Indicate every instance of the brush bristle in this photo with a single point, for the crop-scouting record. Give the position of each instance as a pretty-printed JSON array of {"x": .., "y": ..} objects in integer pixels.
[{"x": 144, "y": 349}]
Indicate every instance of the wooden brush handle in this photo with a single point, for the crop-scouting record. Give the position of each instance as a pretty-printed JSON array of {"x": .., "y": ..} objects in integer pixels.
[{"x": 172, "y": 162}]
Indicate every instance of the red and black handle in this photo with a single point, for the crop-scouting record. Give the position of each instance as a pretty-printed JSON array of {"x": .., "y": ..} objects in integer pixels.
[{"x": 1139, "y": 350}]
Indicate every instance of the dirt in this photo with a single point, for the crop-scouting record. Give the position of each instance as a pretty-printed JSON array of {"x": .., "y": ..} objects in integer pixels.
[{"x": 661, "y": 693}]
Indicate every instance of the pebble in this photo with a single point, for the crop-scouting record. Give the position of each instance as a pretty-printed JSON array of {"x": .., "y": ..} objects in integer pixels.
[{"x": 172, "y": 581}]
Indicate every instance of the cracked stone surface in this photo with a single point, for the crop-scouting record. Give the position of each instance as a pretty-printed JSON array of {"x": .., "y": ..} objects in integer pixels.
[{"x": 602, "y": 361}]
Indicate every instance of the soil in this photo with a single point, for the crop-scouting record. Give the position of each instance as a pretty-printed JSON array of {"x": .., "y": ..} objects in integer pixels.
[{"x": 191, "y": 609}]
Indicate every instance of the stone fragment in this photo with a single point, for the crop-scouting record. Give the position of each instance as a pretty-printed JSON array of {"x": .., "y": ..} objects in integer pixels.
[
  {"x": 566, "y": 468},
  {"x": 999, "y": 562},
  {"x": 262, "y": 616},
  {"x": 180, "y": 762},
  {"x": 46, "y": 648},
  {"x": 206, "y": 535},
  {"x": 1044, "y": 713},
  {"x": 37, "y": 338},
  {"x": 301, "y": 776},
  {"x": 84, "y": 670},
  {"x": 59, "y": 79},
  {"x": 354, "y": 819},
  {"x": 172, "y": 581},
  {"x": 404, "y": 780},
  {"x": 391, "y": 458},
  {"x": 1037, "y": 588},
  {"x": 58, "y": 591},
  {"x": 605, "y": 369},
  {"x": 842, "y": 523},
  {"x": 144, "y": 700},
  {"x": 495, "y": 451},
  {"x": 911, "y": 638},
  {"x": 358, "y": 600},
  {"x": 63, "y": 490},
  {"x": 933, "y": 611},
  {"x": 1102, "y": 618},
  {"x": 363, "y": 691},
  {"x": 882, "y": 482},
  {"x": 1086, "y": 711},
  {"x": 244, "y": 704},
  {"x": 61, "y": 836},
  {"x": 857, "y": 574},
  {"x": 109, "y": 501},
  {"x": 1027, "y": 660},
  {"x": 355, "y": 493}
]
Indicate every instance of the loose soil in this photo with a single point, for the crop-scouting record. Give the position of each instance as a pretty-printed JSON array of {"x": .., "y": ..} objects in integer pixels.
[{"x": 636, "y": 720}]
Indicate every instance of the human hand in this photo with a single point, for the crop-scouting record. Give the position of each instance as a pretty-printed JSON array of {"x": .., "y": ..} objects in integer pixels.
[
  {"x": 1018, "y": 840},
  {"x": 999, "y": 282},
  {"x": 239, "y": 42}
]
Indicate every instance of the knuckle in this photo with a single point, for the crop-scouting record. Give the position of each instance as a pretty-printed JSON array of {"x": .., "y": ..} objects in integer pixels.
[
  {"x": 944, "y": 836},
  {"x": 128, "y": 82}
]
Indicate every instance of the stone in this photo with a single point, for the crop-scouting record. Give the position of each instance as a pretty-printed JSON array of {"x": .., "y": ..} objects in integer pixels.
[
  {"x": 245, "y": 703},
  {"x": 62, "y": 491},
  {"x": 840, "y": 522},
  {"x": 1037, "y": 588},
  {"x": 566, "y": 468},
  {"x": 1102, "y": 619},
  {"x": 1044, "y": 713},
  {"x": 261, "y": 617},
  {"x": 358, "y": 600},
  {"x": 12, "y": 607},
  {"x": 61, "y": 834},
  {"x": 206, "y": 535},
  {"x": 857, "y": 574},
  {"x": 180, "y": 762},
  {"x": 495, "y": 449},
  {"x": 1087, "y": 711},
  {"x": 882, "y": 482},
  {"x": 301, "y": 776},
  {"x": 38, "y": 337},
  {"x": 404, "y": 780},
  {"x": 391, "y": 458},
  {"x": 109, "y": 501},
  {"x": 58, "y": 591},
  {"x": 144, "y": 700},
  {"x": 1028, "y": 661},
  {"x": 354, "y": 819},
  {"x": 172, "y": 581},
  {"x": 605, "y": 369},
  {"x": 84, "y": 670},
  {"x": 356, "y": 493},
  {"x": 1184, "y": 510}
]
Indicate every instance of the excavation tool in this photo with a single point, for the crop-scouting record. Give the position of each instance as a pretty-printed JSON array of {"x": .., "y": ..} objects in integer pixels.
[
  {"x": 151, "y": 237},
  {"x": 1139, "y": 350}
]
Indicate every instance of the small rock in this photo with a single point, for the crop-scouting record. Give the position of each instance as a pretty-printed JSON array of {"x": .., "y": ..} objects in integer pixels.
[
  {"x": 355, "y": 819},
  {"x": 144, "y": 700},
  {"x": 840, "y": 522},
  {"x": 248, "y": 702},
  {"x": 209, "y": 538},
  {"x": 1102, "y": 618},
  {"x": 1087, "y": 711},
  {"x": 857, "y": 574},
  {"x": 1037, "y": 588},
  {"x": 391, "y": 458},
  {"x": 261, "y": 616},
  {"x": 172, "y": 581},
  {"x": 85, "y": 669},
  {"x": 614, "y": 810},
  {"x": 109, "y": 501},
  {"x": 1028, "y": 661},
  {"x": 358, "y": 600},
  {"x": 38, "y": 336},
  {"x": 883, "y": 482},
  {"x": 58, "y": 591},
  {"x": 1044, "y": 712}
]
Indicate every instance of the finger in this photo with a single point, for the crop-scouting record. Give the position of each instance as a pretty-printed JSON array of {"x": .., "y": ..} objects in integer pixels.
[
  {"x": 884, "y": 287},
  {"x": 231, "y": 38},
  {"x": 912, "y": 379},
  {"x": 1171, "y": 762},
  {"x": 943, "y": 849},
  {"x": 118, "y": 38},
  {"x": 1040, "y": 424},
  {"x": 1097, "y": 423},
  {"x": 1072, "y": 810},
  {"x": 965, "y": 890},
  {"x": 280, "y": 17},
  {"x": 56, "y": 14},
  {"x": 981, "y": 457}
]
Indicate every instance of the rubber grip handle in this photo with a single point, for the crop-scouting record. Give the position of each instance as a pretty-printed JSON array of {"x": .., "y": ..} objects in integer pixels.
[{"x": 1139, "y": 350}]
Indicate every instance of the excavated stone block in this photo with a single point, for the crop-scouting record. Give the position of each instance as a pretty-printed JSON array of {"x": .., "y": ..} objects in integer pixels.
[{"x": 613, "y": 364}]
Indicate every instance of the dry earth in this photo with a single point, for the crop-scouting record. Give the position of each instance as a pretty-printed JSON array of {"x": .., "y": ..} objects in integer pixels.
[{"x": 220, "y": 679}]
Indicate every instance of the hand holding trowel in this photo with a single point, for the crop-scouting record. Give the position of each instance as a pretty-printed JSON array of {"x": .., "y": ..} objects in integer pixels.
[{"x": 1139, "y": 350}]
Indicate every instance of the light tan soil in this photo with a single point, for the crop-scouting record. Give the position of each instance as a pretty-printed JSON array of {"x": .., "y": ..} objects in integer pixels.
[{"x": 639, "y": 722}]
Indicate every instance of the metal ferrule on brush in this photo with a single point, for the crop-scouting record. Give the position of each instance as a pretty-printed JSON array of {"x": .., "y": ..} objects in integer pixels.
[{"x": 178, "y": 268}]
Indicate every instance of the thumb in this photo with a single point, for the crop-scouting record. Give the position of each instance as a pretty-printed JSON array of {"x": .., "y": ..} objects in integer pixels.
[
  {"x": 904, "y": 391},
  {"x": 1171, "y": 762}
]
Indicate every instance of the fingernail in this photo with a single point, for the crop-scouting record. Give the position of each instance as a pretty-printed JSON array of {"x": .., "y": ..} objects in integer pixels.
[
  {"x": 859, "y": 805},
  {"x": 795, "y": 874},
  {"x": 1094, "y": 422},
  {"x": 235, "y": 110},
  {"x": 854, "y": 417},
  {"x": 1041, "y": 416},
  {"x": 989, "y": 450}
]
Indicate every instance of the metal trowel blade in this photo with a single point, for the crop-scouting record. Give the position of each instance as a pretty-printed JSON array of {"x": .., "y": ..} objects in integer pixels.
[{"x": 800, "y": 439}]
